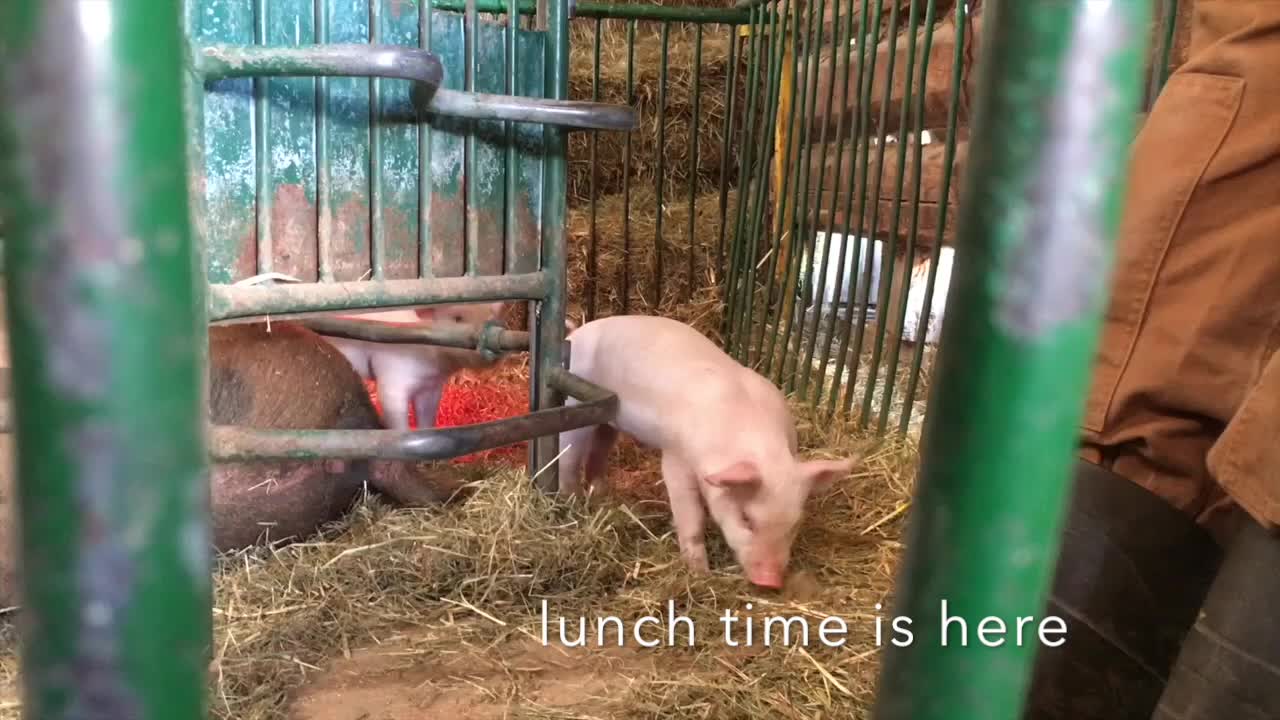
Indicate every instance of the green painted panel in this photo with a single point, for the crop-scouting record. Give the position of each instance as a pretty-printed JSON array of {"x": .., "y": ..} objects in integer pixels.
[
  {"x": 228, "y": 176},
  {"x": 288, "y": 164},
  {"x": 344, "y": 167},
  {"x": 320, "y": 178},
  {"x": 395, "y": 222}
]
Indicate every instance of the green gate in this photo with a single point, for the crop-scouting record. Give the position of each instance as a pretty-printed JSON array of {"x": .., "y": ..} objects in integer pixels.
[{"x": 388, "y": 153}]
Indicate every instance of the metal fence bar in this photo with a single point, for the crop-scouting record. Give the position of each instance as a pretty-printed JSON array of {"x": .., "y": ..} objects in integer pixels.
[
  {"x": 693, "y": 157},
  {"x": 873, "y": 199},
  {"x": 1053, "y": 120},
  {"x": 891, "y": 242},
  {"x": 549, "y": 350},
  {"x": 261, "y": 141},
  {"x": 626, "y": 173},
  {"x": 660, "y": 173},
  {"x": 783, "y": 225},
  {"x": 863, "y": 166},
  {"x": 793, "y": 304},
  {"x": 948, "y": 165},
  {"x": 470, "y": 195},
  {"x": 511, "y": 189},
  {"x": 855, "y": 131},
  {"x": 757, "y": 224},
  {"x": 111, "y": 470},
  {"x": 324, "y": 170},
  {"x": 918, "y": 161},
  {"x": 426, "y": 184},
  {"x": 593, "y": 262},
  {"x": 816, "y": 212},
  {"x": 738, "y": 256},
  {"x": 730, "y": 97}
]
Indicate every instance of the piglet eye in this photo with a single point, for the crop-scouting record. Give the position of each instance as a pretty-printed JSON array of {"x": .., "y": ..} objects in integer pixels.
[{"x": 746, "y": 521}]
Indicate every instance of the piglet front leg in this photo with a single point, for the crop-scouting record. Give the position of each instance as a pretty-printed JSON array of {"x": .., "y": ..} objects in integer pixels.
[{"x": 687, "y": 512}]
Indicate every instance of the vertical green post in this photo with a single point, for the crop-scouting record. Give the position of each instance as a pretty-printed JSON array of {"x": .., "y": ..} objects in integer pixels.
[
  {"x": 105, "y": 313},
  {"x": 551, "y": 309},
  {"x": 1044, "y": 187}
]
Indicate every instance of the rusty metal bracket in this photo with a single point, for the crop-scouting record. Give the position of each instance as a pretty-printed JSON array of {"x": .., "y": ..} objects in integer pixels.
[
  {"x": 218, "y": 61},
  {"x": 597, "y": 406}
]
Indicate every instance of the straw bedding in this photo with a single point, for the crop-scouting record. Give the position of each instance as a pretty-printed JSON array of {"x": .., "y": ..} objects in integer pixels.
[{"x": 437, "y": 612}]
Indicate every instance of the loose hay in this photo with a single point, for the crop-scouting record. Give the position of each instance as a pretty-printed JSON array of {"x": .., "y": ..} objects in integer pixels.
[
  {"x": 455, "y": 587},
  {"x": 677, "y": 150},
  {"x": 700, "y": 308}
]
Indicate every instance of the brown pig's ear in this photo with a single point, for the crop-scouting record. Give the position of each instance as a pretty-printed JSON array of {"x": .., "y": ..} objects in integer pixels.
[
  {"x": 823, "y": 473},
  {"x": 741, "y": 474}
]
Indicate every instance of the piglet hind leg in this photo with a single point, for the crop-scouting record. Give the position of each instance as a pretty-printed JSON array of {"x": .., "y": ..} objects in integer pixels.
[
  {"x": 687, "y": 513},
  {"x": 426, "y": 403},
  {"x": 597, "y": 461},
  {"x": 575, "y": 446}
]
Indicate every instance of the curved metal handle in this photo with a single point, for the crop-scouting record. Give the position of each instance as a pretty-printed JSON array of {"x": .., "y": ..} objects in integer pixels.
[
  {"x": 406, "y": 63},
  {"x": 349, "y": 59}
]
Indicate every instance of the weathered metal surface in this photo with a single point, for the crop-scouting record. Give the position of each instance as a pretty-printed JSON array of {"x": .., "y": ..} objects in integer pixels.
[
  {"x": 103, "y": 304},
  {"x": 323, "y": 178},
  {"x": 597, "y": 406},
  {"x": 241, "y": 301},
  {"x": 336, "y": 59},
  {"x": 1044, "y": 186},
  {"x": 491, "y": 338}
]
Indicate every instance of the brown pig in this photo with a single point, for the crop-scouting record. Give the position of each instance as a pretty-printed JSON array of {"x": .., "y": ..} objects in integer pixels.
[
  {"x": 726, "y": 435},
  {"x": 288, "y": 377}
]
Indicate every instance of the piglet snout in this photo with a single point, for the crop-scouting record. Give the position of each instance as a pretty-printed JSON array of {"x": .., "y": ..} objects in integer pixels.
[{"x": 766, "y": 577}]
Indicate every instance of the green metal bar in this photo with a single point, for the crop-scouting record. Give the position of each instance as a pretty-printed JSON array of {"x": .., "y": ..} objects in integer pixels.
[
  {"x": 757, "y": 224},
  {"x": 262, "y": 149},
  {"x": 377, "y": 228},
  {"x": 511, "y": 220},
  {"x": 660, "y": 13},
  {"x": 886, "y": 285},
  {"x": 471, "y": 215},
  {"x": 873, "y": 199},
  {"x": 626, "y": 173},
  {"x": 855, "y": 132},
  {"x": 693, "y": 157},
  {"x": 823, "y": 266},
  {"x": 112, "y": 479},
  {"x": 593, "y": 248},
  {"x": 658, "y": 244},
  {"x": 1053, "y": 122},
  {"x": 324, "y": 204},
  {"x": 738, "y": 255},
  {"x": 426, "y": 183},
  {"x": 1160, "y": 73},
  {"x": 802, "y": 239},
  {"x": 918, "y": 127},
  {"x": 864, "y": 122},
  {"x": 549, "y": 353},
  {"x": 725, "y": 150},
  {"x": 948, "y": 165},
  {"x": 774, "y": 318}
]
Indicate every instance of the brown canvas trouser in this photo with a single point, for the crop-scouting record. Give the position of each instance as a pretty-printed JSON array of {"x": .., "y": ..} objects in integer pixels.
[{"x": 1186, "y": 390}]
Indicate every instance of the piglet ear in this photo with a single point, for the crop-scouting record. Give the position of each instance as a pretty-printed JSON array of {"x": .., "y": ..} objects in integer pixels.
[
  {"x": 425, "y": 313},
  {"x": 499, "y": 307},
  {"x": 823, "y": 473},
  {"x": 741, "y": 474}
]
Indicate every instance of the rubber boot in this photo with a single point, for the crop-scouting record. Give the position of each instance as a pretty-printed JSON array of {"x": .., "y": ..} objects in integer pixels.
[
  {"x": 1229, "y": 668},
  {"x": 1130, "y": 580}
]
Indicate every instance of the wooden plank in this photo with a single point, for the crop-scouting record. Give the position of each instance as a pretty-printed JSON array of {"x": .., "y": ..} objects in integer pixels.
[
  {"x": 937, "y": 95},
  {"x": 828, "y": 209}
]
